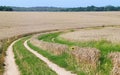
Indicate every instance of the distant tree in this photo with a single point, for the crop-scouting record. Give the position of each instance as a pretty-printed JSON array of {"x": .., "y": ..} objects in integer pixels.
[
  {"x": 5, "y": 8},
  {"x": 77, "y": 9},
  {"x": 90, "y": 8},
  {"x": 94, "y": 8}
]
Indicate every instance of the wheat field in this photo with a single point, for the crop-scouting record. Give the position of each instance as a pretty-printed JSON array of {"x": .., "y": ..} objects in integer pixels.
[
  {"x": 96, "y": 25},
  {"x": 109, "y": 33},
  {"x": 15, "y": 23}
]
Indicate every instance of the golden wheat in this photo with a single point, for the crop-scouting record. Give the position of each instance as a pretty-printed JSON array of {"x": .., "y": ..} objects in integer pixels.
[
  {"x": 16, "y": 23},
  {"x": 115, "y": 57},
  {"x": 109, "y": 33},
  {"x": 55, "y": 48}
]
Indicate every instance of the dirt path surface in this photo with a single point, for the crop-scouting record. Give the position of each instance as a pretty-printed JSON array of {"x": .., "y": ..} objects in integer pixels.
[
  {"x": 54, "y": 67},
  {"x": 11, "y": 68}
]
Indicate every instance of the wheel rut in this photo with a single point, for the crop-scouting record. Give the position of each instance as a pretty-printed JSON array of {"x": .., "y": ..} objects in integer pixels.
[
  {"x": 54, "y": 67},
  {"x": 11, "y": 67}
]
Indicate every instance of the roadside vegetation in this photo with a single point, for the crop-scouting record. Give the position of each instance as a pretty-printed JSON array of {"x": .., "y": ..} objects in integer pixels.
[
  {"x": 106, "y": 47},
  {"x": 63, "y": 60},
  {"x": 3, "y": 47},
  {"x": 28, "y": 63},
  {"x": 4, "y": 43}
]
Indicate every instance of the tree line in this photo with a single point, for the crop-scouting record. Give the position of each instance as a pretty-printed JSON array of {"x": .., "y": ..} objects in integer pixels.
[
  {"x": 88, "y": 8},
  {"x": 94, "y": 8},
  {"x": 5, "y": 8}
]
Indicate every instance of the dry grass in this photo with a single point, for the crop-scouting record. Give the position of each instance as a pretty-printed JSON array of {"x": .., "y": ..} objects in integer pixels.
[
  {"x": 90, "y": 60},
  {"x": 115, "y": 57},
  {"x": 85, "y": 59},
  {"x": 55, "y": 48},
  {"x": 14, "y": 23},
  {"x": 86, "y": 55},
  {"x": 108, "y": 33}
]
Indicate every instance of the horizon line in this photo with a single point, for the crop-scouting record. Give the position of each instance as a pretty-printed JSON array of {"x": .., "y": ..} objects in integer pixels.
[{"x": 59, "y": 6}]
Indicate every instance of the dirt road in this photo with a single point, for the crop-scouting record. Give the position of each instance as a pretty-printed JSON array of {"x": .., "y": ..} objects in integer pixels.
[
  {"x": 54, "y": 67},
  {"x": 10, "y": 66}
]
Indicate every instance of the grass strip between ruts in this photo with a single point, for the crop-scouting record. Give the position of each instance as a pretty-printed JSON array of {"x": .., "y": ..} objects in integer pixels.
[{"x": 28, "y": 63}]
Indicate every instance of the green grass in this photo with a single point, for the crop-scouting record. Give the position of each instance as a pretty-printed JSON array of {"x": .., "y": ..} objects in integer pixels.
[
  {"x": 104, "y": 46},
  {"x": 62, "y": 60},
  {"x": 28, "y": 63},
  {"x": 49, "y": 37},
  {"x": 58, "y": 59}
]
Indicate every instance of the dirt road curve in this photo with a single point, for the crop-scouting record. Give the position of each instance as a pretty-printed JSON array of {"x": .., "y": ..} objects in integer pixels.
[
  {"x": 11, "y": 68},
  {"x": 54, "y": 67}
]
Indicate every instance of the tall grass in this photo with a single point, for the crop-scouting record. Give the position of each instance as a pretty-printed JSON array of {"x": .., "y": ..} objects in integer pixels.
[
  {"x": 104, "y": 46},
  {"x": 28, "y": 63}
]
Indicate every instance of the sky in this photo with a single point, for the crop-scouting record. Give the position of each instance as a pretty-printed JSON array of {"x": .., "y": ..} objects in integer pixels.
[{"x": 59, "y": 3}]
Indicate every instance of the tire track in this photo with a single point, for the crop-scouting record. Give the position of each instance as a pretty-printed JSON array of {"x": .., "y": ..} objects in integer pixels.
[
  {"x": 11, "y": 67},
  {"x": 54, "y": 67}
]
